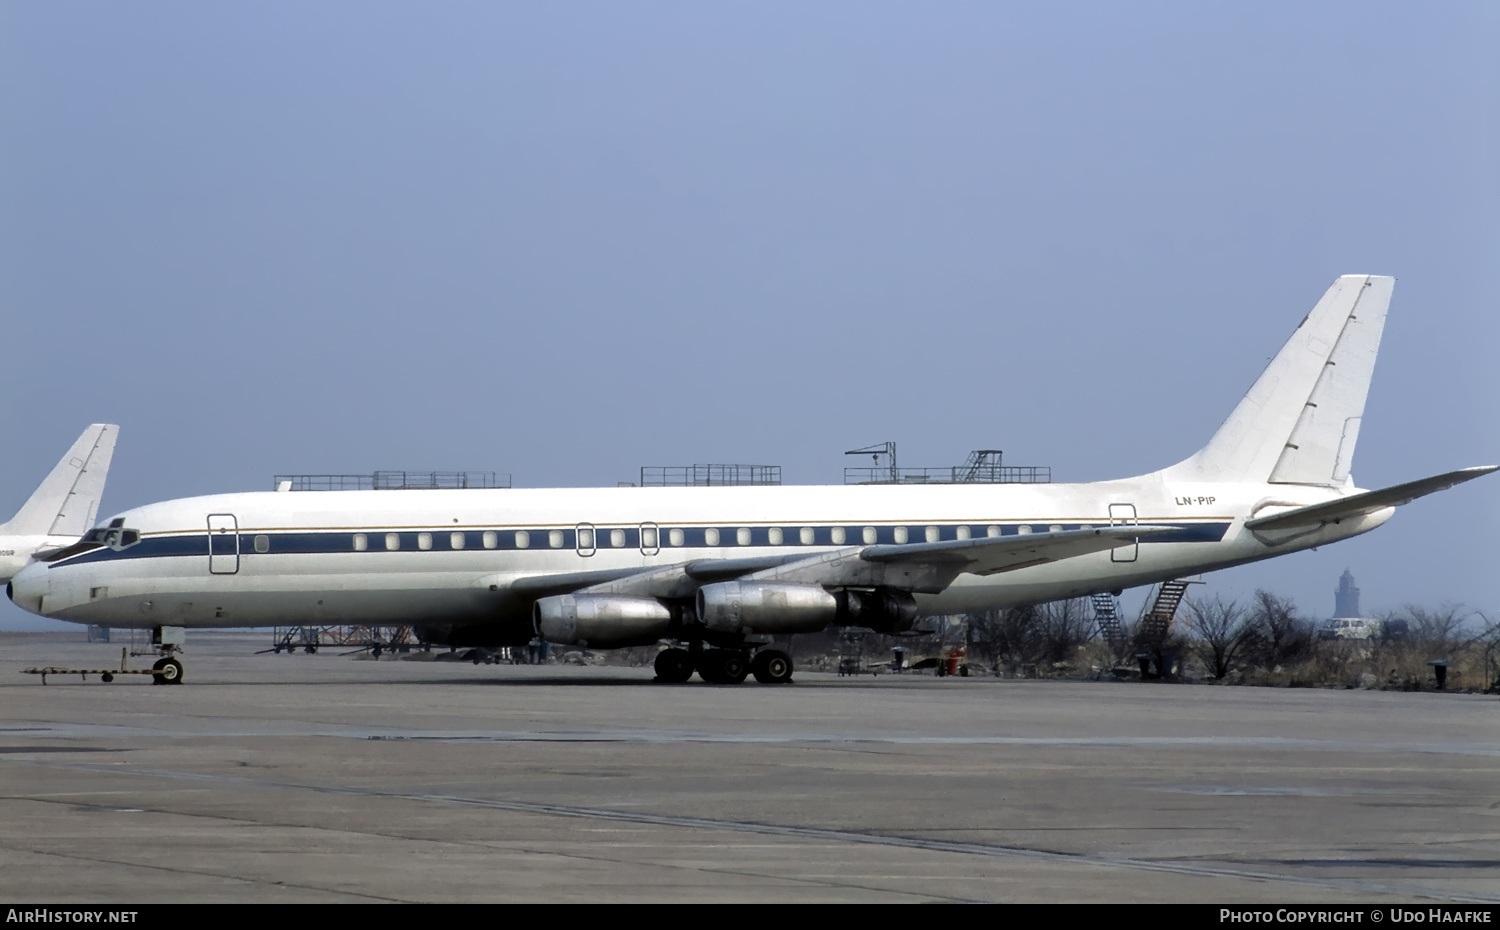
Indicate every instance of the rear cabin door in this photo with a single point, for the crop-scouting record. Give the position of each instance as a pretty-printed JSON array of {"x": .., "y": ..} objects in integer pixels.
[
  {"x": 1124, "y": 515},
  {"x": 223, "y": 544}
]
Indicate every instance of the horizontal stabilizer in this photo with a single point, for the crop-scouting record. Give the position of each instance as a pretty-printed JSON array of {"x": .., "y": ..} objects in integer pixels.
[{"x": 1356, "y": 505}]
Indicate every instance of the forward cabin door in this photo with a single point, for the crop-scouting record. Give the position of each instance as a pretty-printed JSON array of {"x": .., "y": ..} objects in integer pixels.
[
  {"x": 1124, "y": 515},
  {"x": 223, "y": 544}
]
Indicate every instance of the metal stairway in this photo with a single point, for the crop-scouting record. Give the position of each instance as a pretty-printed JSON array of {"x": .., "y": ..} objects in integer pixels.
[
  {"x": 1107, "y": 615},
  {"x": 1158, "y": 619}
]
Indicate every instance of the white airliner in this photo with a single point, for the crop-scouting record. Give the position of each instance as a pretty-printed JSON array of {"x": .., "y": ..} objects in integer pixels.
[
  {"x": 721, "y": 570},
  {"x": 64, "y": 506}
]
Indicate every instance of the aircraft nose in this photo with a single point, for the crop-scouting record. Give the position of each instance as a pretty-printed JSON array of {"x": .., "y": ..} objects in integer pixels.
[{"x": 29, "y": 587}]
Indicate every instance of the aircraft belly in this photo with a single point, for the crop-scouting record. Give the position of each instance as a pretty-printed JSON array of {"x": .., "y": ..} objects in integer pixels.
[{"x": 180, "y": 592}]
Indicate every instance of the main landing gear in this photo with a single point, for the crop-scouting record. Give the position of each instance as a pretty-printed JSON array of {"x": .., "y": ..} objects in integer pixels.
[{"x": 723, "y": 666}]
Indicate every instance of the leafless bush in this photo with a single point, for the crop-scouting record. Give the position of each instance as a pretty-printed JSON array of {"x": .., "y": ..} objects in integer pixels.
[
  {"x": 1223, "y": 631},
  {"x": 1037, "y": 636},
  {"x": 1280, "y": 635},
  {"x": 1415, "y": 635}
]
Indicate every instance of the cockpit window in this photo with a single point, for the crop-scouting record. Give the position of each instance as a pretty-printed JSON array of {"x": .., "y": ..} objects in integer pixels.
[{"x": 116, "y": 536}]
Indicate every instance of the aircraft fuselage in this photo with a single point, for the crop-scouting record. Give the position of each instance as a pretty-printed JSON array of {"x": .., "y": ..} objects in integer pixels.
[{"x": 447, "y": 558}]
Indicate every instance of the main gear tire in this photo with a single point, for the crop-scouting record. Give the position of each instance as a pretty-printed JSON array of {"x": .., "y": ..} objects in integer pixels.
[
  {"x": 772, "y": 667},
  {"x": 723, "y": 666},
  {"x": 674, "y": 665}
]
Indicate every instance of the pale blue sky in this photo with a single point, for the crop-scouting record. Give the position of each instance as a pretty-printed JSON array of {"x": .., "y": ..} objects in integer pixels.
[{"x": 564, "y": 240}]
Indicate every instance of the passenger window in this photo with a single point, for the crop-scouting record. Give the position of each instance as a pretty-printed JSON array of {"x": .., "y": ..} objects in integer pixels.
[
  {"x": 361, "y": 542},
  {"x": 555, "y": 538},
  {"x": 1055, "y": 528},
  {"x": 837, "y": 535},
  {"x": 617, "y": 538},
  {"x": 424, "y": 541},
  {"x": 807, "y": 536},
  {"x": 773, "y": 535},
  {"x": 585, "y": 539},
  {"x": 869, "y": 535},
  {"x": 992, "y": 531},
  {"x": 742, "y": 536},
  {"x": 676, "y": 537},
  {"x": 457, "y": 540},
  {"x": 934, "y": 534},
  {"x": 648, "y": 537},
  {"x": 393, "y": 541},
  {"x": 711, "y": 536},
  {"x": 523, "y": 539},
  {"x": 1024, "y": 529},
  {"x": 491, "y": 540},
  {"x": 963, "y": 532},
  {"x": 262, "y": 544},
  {"x": 900, "y": 535}
]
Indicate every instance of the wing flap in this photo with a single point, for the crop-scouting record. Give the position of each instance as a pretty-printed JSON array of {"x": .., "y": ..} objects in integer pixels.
[
  {"x": 1366, "y": 502},
  {"x": 991, "y": 555}
]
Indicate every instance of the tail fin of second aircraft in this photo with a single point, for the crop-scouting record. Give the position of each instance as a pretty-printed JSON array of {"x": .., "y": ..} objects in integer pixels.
[
  {"x": 67, "y": 501},
  {"x": 1299, "y": 422}
]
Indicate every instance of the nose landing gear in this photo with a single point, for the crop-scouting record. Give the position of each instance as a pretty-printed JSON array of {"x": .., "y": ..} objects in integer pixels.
[
  {"x": 168, "y": 672},
  {"x": 169, "y": 641}
]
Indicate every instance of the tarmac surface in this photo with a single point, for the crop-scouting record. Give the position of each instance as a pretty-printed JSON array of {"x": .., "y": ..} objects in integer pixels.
[{"x": 324, "y": 778}]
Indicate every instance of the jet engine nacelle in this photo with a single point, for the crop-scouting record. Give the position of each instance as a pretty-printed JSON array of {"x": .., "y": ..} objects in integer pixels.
[
  {"x": 752, "y": 607},
  {"x": 881, "y": 610},
  {"x": 601, "y": 621}
]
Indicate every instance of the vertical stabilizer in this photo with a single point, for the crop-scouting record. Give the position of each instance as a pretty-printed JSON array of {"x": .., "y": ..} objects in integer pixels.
[
  {"x": 68, "y": 500},
  {"x": 1299, "y": 422}
]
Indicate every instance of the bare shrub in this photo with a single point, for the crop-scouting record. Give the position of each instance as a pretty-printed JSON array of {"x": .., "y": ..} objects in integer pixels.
[
  {"x": 1031, "y": 636},
  {"x": 1415, "y": 635},
  {"x": 1281, "y": 636},
  {"x": 1222, "y": 630}
]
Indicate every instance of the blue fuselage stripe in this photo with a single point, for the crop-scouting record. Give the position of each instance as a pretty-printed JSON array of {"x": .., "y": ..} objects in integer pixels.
[{"x": 606, "y": 539}]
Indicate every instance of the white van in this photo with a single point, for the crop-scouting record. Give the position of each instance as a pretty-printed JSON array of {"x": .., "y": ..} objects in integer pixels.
[{"x": 1350, "y": 628}]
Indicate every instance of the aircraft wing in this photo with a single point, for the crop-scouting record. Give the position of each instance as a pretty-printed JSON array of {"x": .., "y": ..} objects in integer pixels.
[
  {"x": 915, "y": 567},
  {"x": 928, "y": 568},
  {"x": 1356, "y": 505},
  {"x": 992, "y": 555},
  {"x": 678, "y": 579}
]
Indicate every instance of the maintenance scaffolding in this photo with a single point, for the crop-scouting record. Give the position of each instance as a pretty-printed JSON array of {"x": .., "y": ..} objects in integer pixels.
[
  {"x": 393, "y": 481},
  {"x": 983, "y": 466},
  {"x": 705, "y": 476}
]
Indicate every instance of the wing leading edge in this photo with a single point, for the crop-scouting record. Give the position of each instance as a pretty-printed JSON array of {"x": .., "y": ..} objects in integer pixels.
[{"x": 922, "y": 568}]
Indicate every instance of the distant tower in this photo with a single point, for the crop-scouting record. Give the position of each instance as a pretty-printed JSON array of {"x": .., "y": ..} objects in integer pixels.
[{"x": 1346, "y": 598}]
